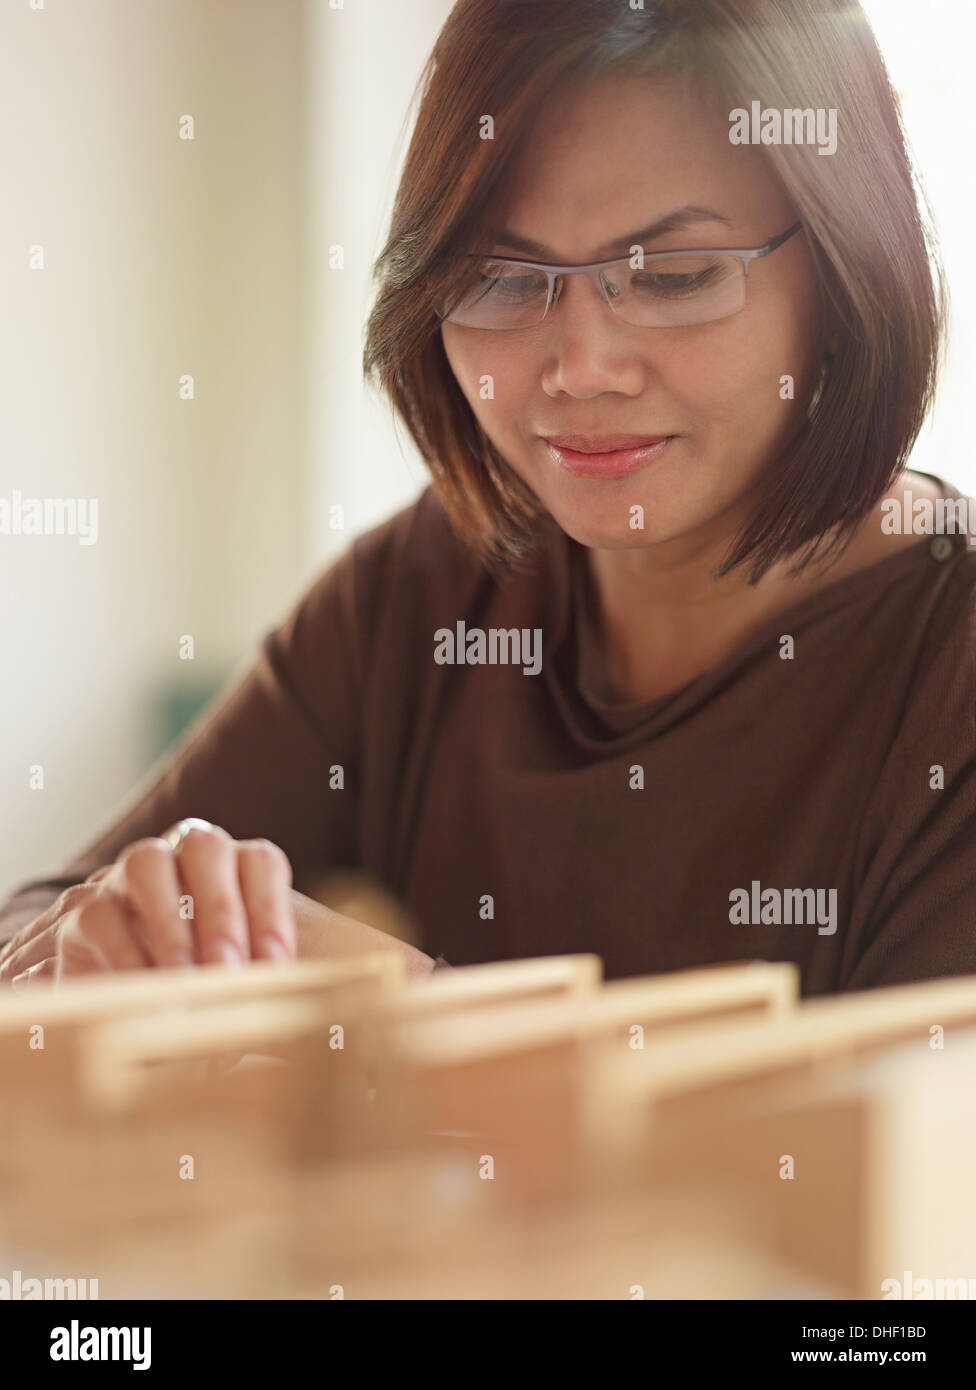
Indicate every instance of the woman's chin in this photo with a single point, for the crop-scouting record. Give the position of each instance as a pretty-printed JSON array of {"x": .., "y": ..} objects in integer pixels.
[{"x": 628, "y": 526}]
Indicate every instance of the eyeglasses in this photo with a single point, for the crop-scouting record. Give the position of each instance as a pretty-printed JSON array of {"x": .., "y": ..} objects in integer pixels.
[{"x": 669, "y": 289}]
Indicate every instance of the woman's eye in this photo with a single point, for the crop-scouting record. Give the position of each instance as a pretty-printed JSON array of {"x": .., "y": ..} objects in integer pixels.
[
  {"x": 686, "y": 279},
  {"x": 672, "y": 283},
  {"x": 508, "y": 286}
]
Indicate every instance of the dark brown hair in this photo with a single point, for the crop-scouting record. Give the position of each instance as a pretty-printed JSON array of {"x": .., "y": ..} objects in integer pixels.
[{"x": 876, "y": 257}]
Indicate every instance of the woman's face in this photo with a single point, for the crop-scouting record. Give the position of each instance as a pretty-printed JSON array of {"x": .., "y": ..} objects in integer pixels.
[{"x": 613, "y": 157}]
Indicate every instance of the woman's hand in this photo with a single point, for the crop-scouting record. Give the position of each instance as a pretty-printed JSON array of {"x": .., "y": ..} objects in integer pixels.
[
  {"x": 211, "y": 900},
  {"x": 135, "y": 913},
  {"x": 325, "y": 934}
]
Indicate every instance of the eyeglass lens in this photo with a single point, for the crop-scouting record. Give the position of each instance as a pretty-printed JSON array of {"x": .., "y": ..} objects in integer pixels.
[{"x": 677, "y": 292}]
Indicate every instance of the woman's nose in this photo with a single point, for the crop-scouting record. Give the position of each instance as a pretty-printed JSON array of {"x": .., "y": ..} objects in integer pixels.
[
  {"x": 584, "y": 287},
  {"x": 589, "y": 349}
]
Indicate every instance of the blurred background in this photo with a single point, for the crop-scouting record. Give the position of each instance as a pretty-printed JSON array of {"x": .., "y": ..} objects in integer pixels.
[{"x": 215, "y": 258}]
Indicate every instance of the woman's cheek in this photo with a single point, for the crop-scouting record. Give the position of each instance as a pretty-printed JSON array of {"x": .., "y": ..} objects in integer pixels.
[
  {"x": 496, "y": 395},
  {"x": 488, "y": 386}
]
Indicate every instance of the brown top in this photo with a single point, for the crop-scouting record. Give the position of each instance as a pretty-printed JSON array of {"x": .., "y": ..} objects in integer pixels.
[{"x": 518, "y": 814}]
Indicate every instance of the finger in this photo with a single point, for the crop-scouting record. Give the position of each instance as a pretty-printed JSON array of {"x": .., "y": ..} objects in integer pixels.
[
  {"x": 91, "y": 934},
  {"x": 146, "y": 876},
  {"x": 109, "y": 928},
  {"x": 207, "y": 864},
  {"x": 265, "y": 877},
  {"x": 45, "y": 970},
  {"x": 37, "y": 948},
  {"x": 39, "y": 938}
]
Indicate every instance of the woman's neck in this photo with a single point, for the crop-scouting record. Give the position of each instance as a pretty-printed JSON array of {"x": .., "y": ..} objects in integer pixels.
[{"x": 662, "y": 620}]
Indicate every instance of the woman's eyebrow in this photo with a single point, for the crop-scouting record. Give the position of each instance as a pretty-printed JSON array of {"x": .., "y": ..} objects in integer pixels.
[{"x": 674, "y": 221}]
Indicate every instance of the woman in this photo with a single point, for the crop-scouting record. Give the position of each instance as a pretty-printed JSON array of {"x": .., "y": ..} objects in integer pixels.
[{"x": 648, "y": 671}]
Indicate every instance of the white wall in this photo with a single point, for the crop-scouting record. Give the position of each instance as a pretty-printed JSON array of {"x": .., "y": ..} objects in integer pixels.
[
  {"x": 928, "y": 49},
  {"x": 162, "y": 256},
  {"x": 361, "y": 66}
]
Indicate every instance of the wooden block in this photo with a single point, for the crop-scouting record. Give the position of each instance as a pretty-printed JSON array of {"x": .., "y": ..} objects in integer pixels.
[
  {"x": 724, "y": 1105},
  {"x": 856, "y": 1175},
  {"x": 516, "y": 1074},
  {"x": 819, "y": 1037},
  {"x": 40, "y": 1029},
  {"x": 750, "y": 1143},
  {"x": 116, "y": 1102},
  {"x": 917, "y": 1216},
  {"x": 127, "y": 1081}
]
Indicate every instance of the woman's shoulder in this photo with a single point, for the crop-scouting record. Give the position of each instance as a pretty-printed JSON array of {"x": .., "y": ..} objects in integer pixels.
[
  {"x": 918, "y": 546},
  {"x": 415, "y": 550},
  {"x": 419, "y": 531},
  {"x": 916, "y": 505},
  {"x": 940, "y": 630}
]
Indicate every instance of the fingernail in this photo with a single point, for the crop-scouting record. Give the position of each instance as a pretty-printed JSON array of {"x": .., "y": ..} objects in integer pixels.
[
  {"x": 227, "y": 953},
  {"x": 272, "y": 948}
]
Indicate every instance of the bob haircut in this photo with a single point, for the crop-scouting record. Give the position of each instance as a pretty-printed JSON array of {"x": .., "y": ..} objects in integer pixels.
[{"x": 877, "y": 259}]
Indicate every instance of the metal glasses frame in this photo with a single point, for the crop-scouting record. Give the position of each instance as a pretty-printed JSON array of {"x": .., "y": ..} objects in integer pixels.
[{"x": 552, "y": 272}]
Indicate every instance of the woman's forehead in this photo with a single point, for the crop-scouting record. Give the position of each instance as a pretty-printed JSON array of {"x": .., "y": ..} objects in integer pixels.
[{"x": 620, "y": 160}]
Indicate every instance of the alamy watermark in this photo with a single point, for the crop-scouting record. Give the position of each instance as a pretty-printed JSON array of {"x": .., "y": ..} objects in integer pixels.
[
  {"x": 494, "y": 646},
  {"x": 77, "y": 1343},
  {"x": 774, "y": 907},
  {"x": 918, "y": 1289},
  {"x": 17, "y": 1287},
  {"x": 793, "y": 126},
  {"x": 50, "y": 516},
  {"x": 921, "y": 516}
]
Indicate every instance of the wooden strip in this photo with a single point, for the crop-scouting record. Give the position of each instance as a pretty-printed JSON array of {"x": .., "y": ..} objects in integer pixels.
[
  {"x": 498, "y": 983},
  {"x": 115, "y": 993}
]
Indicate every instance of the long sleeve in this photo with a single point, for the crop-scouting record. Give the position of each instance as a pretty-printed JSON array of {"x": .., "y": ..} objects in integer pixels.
[{"x": 260, "y": 759}]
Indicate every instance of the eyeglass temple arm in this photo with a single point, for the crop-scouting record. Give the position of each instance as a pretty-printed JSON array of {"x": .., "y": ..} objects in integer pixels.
[{"x": 775, "y": 241}]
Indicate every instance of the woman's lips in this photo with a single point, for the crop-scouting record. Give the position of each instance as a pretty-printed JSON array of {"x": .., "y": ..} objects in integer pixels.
[{"x": 614, "y": 462}]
